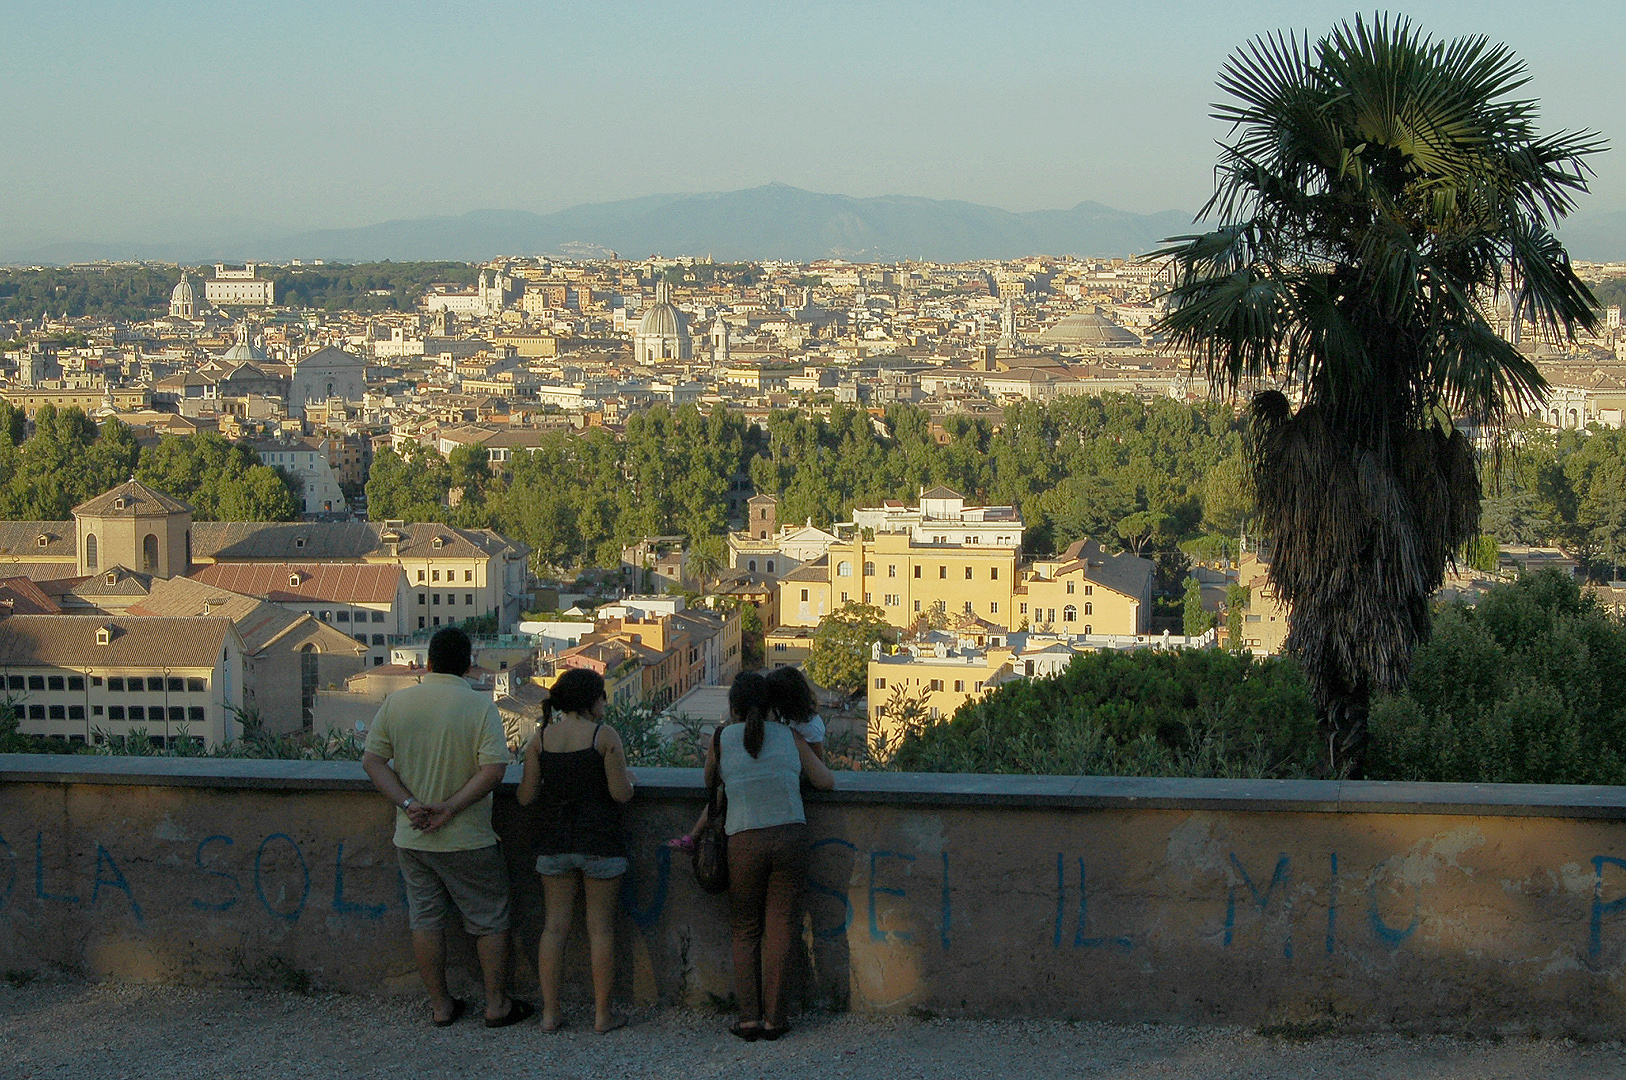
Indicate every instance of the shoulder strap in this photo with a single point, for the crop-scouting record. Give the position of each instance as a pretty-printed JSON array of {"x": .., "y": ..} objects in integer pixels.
[{"x": 594, "y": 743}]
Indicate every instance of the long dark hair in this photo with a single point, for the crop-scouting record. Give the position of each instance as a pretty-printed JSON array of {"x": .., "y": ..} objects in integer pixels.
[
  {"x": 748, "y": 701},
  {"x": 576, "y": 691},
  {"x": 790, "y": 696}
]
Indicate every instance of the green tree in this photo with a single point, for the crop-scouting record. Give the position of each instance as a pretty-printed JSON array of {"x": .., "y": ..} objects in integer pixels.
[
  {"x": 1378, "y": 184},
  {"x": 840, "y": 654},
  {"x": 1194, "y": 620}
]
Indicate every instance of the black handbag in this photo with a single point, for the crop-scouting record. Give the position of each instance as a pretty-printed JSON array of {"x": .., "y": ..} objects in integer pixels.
[{"x": 710, "y": 856}]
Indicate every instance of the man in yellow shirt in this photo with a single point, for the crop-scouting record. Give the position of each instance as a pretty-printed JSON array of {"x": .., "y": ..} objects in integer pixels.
[{"x": 436, "y": 750}]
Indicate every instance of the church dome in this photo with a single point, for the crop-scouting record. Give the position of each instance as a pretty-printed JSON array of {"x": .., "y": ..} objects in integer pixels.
[
  {"x": 244, "y": 351},
  {"x": 661, "y": 320},
  {"x": 183, "y": 292},
  {"x": 1090, "y": 330}
]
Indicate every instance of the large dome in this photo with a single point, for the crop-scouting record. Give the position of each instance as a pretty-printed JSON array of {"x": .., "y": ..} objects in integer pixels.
[
  {"x": 1088, "y": 330},
  {"x": 183, "y": 293},
  {"x": 662, "y": 319},
  {"x": 244, "y": 352}
]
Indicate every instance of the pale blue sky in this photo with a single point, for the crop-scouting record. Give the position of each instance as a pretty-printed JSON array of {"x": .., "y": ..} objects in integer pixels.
[{"x": 159, "y": 121}]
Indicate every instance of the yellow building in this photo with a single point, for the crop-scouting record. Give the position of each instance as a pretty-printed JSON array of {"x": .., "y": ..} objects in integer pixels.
[
  {"x": 905, "y": 579},
  {"x": 939, "y": 683},
  {"x": 31, "y": 399},
  {"x": 1087, "y": 591},
  {"x": 1261, "y": 624}
]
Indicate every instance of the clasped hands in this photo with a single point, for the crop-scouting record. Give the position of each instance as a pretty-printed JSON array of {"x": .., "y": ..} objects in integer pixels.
[{"x": 427, "y": 817}]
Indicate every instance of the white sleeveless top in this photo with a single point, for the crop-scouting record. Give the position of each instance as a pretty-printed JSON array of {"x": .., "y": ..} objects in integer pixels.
[{"x": 765, "y": 790}]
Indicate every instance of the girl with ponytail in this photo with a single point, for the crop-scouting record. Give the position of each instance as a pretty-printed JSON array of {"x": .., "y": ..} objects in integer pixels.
[{"x": 761, "y": 763}]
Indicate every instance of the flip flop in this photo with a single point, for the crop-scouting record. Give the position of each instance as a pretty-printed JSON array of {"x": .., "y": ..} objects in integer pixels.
[
  {"x": 518, "y": 1011},
  {"x": 458, "y": 1005},
  {"x": 615, "y": 1025}
]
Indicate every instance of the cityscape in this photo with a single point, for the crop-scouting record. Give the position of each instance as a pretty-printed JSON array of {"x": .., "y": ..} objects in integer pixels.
[{"x": 1069, "y": 540}]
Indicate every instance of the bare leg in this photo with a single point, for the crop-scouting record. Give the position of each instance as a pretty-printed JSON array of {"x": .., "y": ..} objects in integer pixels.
[
  {"x": 493, "y": 950},
  {"x": 559, "y": 894},
  {"x": 601, "y": 895},
  {"x": 429, "y": 949}
]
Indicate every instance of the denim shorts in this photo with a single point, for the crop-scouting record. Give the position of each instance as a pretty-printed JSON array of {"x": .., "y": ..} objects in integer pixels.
[{"x": 601, "y": 867}]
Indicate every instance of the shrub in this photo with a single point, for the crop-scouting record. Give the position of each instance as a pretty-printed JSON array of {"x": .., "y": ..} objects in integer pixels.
[
  {"x": 1191, "y": 712},
  {"x": 1520, "y": 689}
]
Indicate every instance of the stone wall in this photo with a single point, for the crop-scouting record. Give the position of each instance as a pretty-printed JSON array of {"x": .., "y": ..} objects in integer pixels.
[{"x": 1428, "y": 905}]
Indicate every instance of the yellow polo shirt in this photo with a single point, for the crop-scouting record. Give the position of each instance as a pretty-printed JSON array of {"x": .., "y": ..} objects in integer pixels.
[{"x": 439, "y": 733}]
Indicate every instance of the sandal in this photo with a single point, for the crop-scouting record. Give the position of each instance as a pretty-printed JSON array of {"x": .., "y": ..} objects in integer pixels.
[
  {"x": 769, "y": 1034},
  {"x": 458, "y": 1005},
  {"x": 749, "y": 1034},
  {"x": 517, "y": 1011}
]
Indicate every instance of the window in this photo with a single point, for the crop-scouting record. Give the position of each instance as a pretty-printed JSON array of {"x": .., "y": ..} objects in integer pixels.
[
  {"x": 420, "y": 575},
  {"x": 968, "y": 607},
  {"x": 423, "y": 598},
  {"x": 1086, "y": 628},
  {"x": 1089, "y": 608},
  {"x": 917, "y": 605},
  {"x": 942, "y": 571},
  {"x": 344, "y": 616},
  {"x": 917, "y": 571},
  {"x": 1089, "y": 590},
  {"x": 869, "y": 569},
  {"x": 434, "y": 599},
  {"x": 115, "y": 712},
  {"x": 1052, "y": 615},
  {"x": 844, "y": 569},
  {"x": 1069, "y": 614},
  {"x": 196, "y": 686},
  {"x": 76, "y": 682},
  {"x": 54, "y": 682},
  {"x": 880, "y": 683},
  {"x": 58, "y": 712},
  {"x": 434, "y": 575},
  {"x": 138, "y": 712},
  {"x": 14, "y": 682},
  {"x": 36, "y": 682},
  {"x": 959, "y": 686},
  {"x": 95, "y": 710},
  {"x": 36, "y": 712},
  {"x": 993, "y": 573},
  {"x": 378, "y": 616},
  {"x": 770, "y": 566},
  {"x": 361, "y": 638},
  {"x": 451, "y": 599},
  {"x": 804, "y": 596},
  {"x": 751, "y": 565},
  {"x": 1070, "y": 585},
  {"x": 177, "y": 686},
  {"x": 968, "y": 573},
  {"x": 993, "y": 607},
  {"x": 155, "y": 684},
  {"x": 194, "y": 712},
  {"x": 115, "y": 684},
  {"x": 90, "y": 551},
  {"x": 936, "y": 684},
  {"x": 468, "y": 575},
  {"x": 420, "y": 622},
  {"x": 843, "y": 598},
  {"x": 437, "y": 620},
  {"x": 378, "y": 639},
  {"x": 177, "y": 713}
]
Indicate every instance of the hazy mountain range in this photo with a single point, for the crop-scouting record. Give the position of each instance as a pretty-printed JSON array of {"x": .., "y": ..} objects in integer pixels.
[{"x": 774, "y": 221}]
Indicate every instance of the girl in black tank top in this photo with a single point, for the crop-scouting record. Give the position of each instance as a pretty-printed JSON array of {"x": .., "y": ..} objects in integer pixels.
[{"x": 575, "y": 766}]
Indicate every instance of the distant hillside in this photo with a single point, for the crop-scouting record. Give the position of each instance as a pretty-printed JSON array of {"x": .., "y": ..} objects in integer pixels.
[{"x": 770, "y": 222}]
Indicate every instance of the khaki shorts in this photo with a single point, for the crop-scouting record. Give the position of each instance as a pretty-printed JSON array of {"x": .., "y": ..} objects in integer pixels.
[{"x": 475, "y": 882}]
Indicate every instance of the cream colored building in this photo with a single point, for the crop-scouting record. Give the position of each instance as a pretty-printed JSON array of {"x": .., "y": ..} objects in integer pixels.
[
  {"x": 238, "y": 287},
  {"x": 1261, "y": 625},
  {"x": 1086, "y": 591}
]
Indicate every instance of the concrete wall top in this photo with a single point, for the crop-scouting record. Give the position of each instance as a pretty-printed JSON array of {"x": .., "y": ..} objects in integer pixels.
[{"x": 904, "y": 789}]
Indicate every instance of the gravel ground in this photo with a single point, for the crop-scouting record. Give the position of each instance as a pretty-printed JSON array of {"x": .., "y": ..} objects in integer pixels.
[{"x": 108, "y": 1030}]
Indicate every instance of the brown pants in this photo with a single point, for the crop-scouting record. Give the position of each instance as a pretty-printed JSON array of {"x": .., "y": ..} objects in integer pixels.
[{"x": 766, "y": 869}]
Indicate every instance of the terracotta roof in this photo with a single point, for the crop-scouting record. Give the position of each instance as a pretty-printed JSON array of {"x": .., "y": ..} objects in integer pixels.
[
  {"x": 260, "y": 624},
  {"x": 139, "y": 500},
  {"x": 283, "y": 582},
  {"x": 20, "y": 596},
  {"x": 69, "y": 641}
]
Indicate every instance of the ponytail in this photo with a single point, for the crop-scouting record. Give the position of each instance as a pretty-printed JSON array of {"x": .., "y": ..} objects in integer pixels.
[{"x": 748, "y": 701}]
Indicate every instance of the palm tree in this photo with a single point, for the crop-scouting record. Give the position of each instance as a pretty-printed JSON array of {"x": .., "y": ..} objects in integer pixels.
[{"x": 1381, "y": 192}]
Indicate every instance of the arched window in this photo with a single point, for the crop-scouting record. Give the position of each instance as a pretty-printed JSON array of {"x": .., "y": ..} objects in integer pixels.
[
  {"x": 844, "y": 569},
  {"x": 309, "y": 679},
  {"x": 1089, "y": 609},
  {"x": 1087, "y": 629},
  {"x": 770, "y": 566},
  {"x": 1069, "y": 614},
  {"x": 90, "y": 550},
  {"x": 149, "y": 554},
  {"x": 189, "y": 549},
  {"x": 751, "y": 565}
]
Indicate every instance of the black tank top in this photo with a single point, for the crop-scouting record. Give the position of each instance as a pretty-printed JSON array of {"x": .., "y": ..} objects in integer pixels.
[{"x": 578, "y": 815}]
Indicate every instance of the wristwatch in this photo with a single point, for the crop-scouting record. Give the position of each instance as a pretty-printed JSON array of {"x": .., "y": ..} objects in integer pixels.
[{"x": 407, "y": 805}]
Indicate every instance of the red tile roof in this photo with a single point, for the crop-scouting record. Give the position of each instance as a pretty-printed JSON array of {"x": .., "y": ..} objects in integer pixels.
[{"x": 351, "y": 583}]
